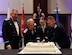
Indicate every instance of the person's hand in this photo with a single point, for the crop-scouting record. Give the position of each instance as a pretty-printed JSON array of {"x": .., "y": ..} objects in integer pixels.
[
  {"x": 9, "y": 47},
  {"x": 43, "y": 14},
  {"x": 43, "y": 41},
  {"x": 38, "y": 41},
  {"x": 34, "y": 16}
]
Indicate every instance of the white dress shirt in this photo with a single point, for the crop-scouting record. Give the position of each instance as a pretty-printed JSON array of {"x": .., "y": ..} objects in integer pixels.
[
  {"x": 43, "y": 28},
  {"x": 16, "y": 26}
]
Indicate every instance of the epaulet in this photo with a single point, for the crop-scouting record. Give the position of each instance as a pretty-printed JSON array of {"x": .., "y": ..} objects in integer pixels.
[
  {"x": 7, "y": 19},
  {"x": 25, "y": 30},
  {"x": 35, "y": 24},
  {"x": 55, "y": 26}
]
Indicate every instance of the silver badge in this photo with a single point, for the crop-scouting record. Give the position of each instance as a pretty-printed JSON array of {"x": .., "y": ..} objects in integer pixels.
[{"x": 10, "y": 23}]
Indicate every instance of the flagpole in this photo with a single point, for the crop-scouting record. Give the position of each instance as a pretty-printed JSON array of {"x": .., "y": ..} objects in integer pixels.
[
  {"x": 57, "y": 18},
  {"x": 22, "y": 25},
  {"x": 8, "y": 12},
  {"x": 21, "y": 22}
]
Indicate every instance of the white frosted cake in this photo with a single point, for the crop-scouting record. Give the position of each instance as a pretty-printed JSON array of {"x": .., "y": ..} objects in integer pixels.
[{"x": 40, "y": 47}]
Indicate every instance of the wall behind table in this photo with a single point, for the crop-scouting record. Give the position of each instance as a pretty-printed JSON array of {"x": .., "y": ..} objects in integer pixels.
[
  {"x": 65, "y": 6},
  {"x": 2, "y": 17},
  {"x": 16, "y": 4}
]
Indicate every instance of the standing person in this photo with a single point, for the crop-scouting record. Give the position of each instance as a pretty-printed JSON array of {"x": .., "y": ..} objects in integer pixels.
[
  {"x": 11, "y": 31},
  {"x": 57, "y": 33},
  {"x": 39, "y": 13}
]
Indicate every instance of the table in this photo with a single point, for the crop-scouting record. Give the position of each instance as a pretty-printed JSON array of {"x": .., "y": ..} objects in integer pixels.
[
  {"x": 9, "y": 52},
  {"x": 66, "y": 51},
  {"x": 15, "y": 51}
]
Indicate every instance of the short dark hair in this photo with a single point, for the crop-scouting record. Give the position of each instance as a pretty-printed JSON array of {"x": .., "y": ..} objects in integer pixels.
[
  {"x": 50, "y": 17},
  {"x": 14, "y": 10},
  {"x": 42, "y": 18}
]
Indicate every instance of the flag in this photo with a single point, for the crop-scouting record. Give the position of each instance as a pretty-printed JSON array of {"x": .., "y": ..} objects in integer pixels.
[
  {"x": 8, "y": 12},
  {"x": 57, "y": 17},
  {"x": 23, "y": 25}
]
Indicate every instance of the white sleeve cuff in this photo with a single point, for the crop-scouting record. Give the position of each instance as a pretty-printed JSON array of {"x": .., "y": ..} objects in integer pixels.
[
  {"x": 8, "y": 45},
  {"x": 38, "y": 38},
  {"x": 25, "y": 30},
  {"x": 6, "y": 41}
]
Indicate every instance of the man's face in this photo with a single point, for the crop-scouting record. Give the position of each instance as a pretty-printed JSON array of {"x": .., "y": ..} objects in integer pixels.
[
  {"x": 51, "y": 22},
  {"x": 31, "y": 25},
  {"x": 14, "y": 15},
  {"x": 42, "y": 22}
]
